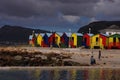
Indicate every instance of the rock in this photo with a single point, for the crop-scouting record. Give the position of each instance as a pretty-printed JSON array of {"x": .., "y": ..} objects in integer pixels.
[
  {"x": 26, "y": 58},
  {"x": 37, "y": 56},
  {"x": 18, "y": 57}
]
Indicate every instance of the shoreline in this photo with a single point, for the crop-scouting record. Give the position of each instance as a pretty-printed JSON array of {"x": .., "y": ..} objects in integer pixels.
[{"x": 110, "y": 58}]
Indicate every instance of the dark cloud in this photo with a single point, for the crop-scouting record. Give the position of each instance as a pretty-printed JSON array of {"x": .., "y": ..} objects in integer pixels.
[
  {"x": 27, "y": 8},
  {"x": 49, "y": 12}
]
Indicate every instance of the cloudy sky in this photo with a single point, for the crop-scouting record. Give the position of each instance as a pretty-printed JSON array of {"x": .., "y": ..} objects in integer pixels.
[{"x": 57, "y": 15}]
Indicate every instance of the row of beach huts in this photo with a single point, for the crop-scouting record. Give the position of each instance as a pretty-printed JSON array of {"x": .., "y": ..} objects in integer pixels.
[{"x": 73, "y": 40}]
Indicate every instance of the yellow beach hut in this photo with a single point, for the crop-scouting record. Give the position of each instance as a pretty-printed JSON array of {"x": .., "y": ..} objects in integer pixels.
[
  {"x": 39, "y": 39},
  {"x": 58, "y": 38},
  {"x": 99, "y": 41},
  {"x": 77, "y": 39},
  {"x": 114, "y": 41}
]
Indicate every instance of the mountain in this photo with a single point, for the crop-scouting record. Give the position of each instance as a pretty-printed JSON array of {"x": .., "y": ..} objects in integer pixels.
[
  {"x": 16, "y": 33},
  {"x": 99, "y": 25}
]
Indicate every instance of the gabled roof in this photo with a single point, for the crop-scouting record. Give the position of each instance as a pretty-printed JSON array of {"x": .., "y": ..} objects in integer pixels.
[
  {"x": 115, "y": 35},
  {"x": 79, "y": 34},
  {"x": 89, "y": 34},
  {"x": 36, "y": 34},
  {"x": 104, "y": 34},
  {"x": 68, "y": 34},
  {"x": 49, "y": 34},
  {"x": 60, "y": 34},
  {"x": 30, "y": 37},
  {"x": 42, "y": 34}
]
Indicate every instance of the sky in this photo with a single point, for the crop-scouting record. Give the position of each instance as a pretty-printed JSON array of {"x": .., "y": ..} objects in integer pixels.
[{"x": 57, "y": 15}]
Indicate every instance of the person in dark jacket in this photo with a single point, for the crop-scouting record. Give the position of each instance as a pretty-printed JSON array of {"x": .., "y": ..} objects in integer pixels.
[{"x": 92, "y": 60}]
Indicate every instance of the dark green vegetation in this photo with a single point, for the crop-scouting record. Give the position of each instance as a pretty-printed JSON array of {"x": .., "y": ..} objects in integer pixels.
[
  {"x": 97, "y": 26},
  {"x": 16, "y": 34}
]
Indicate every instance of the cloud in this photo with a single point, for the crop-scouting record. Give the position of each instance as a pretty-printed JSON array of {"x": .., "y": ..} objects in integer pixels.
[
  {"x": 38, "y": 8},
  {"x": 46, "y": 12},
  {"x": 108, "y": 8},
  {"x": 27, "y": 8},
  {"x": 70, "y": 18}
]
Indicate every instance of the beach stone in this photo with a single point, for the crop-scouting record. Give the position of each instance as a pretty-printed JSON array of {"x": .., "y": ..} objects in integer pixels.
[
  {"x": 37, "y": 56},
  {"x": 32, "y": 59},
  {"x": 18, "y": 57},
  {"x": 43, "y": 57},
  {"x": 27, "y": 58}
]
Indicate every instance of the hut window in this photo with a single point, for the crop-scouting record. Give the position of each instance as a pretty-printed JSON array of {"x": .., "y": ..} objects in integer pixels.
[
  {"x": 114, "y": 39},
  {"x": 96, "y": 39}
]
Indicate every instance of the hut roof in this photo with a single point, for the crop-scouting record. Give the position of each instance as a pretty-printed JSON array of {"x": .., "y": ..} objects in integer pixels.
[
  {"x": 30, "y": 37},
  {"x": 115, "y": 35},
  {"x": 104, "y": 34},
  {"x": 89, "y": 34},
  {"x": 60, "y": 34},
  {"x": 79, "y": 34},
  {"x": 36, "y": 34},
  {"x": 42, "y": 34},
  {"x": 68, "y": 34},
  {"x": 49, "y": 34}
]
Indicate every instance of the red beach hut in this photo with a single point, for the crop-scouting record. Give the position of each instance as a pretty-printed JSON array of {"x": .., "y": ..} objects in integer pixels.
[{"x": 87, "y": 40}]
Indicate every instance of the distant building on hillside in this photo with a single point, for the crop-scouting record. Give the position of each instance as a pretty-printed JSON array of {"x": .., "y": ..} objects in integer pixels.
[{"x": 111, "y": 30}]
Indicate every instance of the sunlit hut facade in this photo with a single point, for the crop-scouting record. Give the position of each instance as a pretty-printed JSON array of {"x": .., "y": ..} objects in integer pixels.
[
  {"x": 54, "y": 40},
  {"x": 86, "y": 40},
  {"x": 114, "y": 41},
  {"x": 99, "y": 41},
  {"x": 39, "y": 39},
  {"x": 77, "y": 39},
  {"x": 58, "y": 38}
]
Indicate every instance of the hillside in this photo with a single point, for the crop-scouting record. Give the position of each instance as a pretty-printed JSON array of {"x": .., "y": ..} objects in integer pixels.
[
  {"x": 16, "y": 33},
  {"x": 97, "y": 26}
]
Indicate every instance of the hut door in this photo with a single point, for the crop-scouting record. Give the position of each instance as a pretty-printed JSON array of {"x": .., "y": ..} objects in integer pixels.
[
  {"x": 96, "y": 40},
  {"x": 53, "y": 40},
  {"x": 114, "y": 41}
]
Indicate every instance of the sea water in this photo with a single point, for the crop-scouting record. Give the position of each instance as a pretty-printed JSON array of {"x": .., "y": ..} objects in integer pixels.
[{"x": 60, "y": 74}]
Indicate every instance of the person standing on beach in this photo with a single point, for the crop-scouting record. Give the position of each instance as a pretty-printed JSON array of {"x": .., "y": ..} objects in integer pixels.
[{"x": 99, "y": 55}]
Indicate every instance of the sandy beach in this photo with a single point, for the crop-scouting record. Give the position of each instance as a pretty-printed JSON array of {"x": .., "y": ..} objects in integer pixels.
[{"x": 109, "y": 58}]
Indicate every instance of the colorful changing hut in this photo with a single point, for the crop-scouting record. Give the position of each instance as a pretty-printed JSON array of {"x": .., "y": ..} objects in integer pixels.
[
  {"x": 99, "y": 41},
  {"x": 64, "y": 40},
  {"x": 114, "y": 41},
  {"x": 77, "y": 39},
  {"x": 33, "y": 39},
  {"x": 45, "y": 42},
  {"x": 87, "y": 40},
  {"x": 39, "y": 39},
  {"x": 54, "y": 40}
]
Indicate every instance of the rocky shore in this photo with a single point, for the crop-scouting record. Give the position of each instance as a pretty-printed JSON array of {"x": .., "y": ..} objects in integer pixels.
[
  {"x": 16, "y": 56},
  {"x": 36, "y": 56}
]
